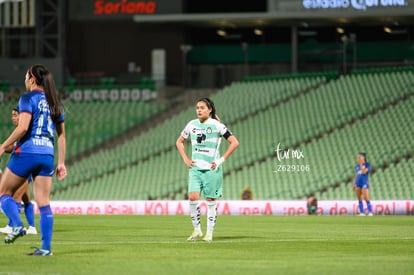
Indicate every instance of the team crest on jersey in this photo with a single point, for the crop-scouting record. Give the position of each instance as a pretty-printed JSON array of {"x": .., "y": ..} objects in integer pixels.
[{"x": 209, "y": 130}]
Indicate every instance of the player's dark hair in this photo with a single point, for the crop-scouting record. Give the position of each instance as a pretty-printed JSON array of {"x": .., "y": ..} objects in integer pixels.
[
  {"x": 15, "y": 109},
  {"x": 44, "y": 78},
  {"x": 210, "y": 105}
]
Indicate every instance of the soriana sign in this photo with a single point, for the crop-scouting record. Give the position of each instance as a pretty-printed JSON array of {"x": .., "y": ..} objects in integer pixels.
[
  {"x": 89, "y": 10},
  {"x": 102, "y": 7}
]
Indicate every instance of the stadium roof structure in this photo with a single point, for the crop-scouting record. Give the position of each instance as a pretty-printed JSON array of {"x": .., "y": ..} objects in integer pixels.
[{"x": 274, "y": 18}]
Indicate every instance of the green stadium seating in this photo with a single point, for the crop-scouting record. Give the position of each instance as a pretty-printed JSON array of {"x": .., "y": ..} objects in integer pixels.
[{"x": 330, "y": 121}]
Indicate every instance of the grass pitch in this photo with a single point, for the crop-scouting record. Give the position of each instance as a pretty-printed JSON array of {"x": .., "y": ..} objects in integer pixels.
[{"x": 242, "y": 245}]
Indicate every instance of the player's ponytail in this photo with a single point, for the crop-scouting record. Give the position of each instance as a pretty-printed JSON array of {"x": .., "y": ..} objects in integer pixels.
[
  {"x": 44, "y": 79},
  {"x": 210, "y": 105}
]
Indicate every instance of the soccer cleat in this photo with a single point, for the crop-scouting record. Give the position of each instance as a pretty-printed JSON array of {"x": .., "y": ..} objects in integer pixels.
[
  {"x": 40, "y": 252},
  {"x": 196, "y": 234},
  {"x": 18, "y": 231},
  {"x": 370, "y": 214},
  {"x": 6, "y": 230},
  {"x": 31, "y": 230},
  {"x": 208, "y": 238},
  {"x": 361, "y": 214}
]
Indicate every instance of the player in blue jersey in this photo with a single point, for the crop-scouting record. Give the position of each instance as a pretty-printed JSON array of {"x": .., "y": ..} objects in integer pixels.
[
  {"x": 361, "y": 186},
  {"x": 205, "y": 171},
  {"x": 41, "y": 114},
  {"x": 22, "y": 195}
]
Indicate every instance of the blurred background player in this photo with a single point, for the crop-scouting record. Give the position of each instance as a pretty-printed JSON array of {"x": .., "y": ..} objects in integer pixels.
[
  {"x": 362, "y": 169},
  {"x": 22, "y": 195},
  {"x": 312, "y": 205},
  {"x": 205, "y": 171},
  {"x": 247, "y": 194}
]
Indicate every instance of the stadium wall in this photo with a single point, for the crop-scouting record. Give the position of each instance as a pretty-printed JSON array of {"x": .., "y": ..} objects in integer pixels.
[{"x": 228, "y": 207}]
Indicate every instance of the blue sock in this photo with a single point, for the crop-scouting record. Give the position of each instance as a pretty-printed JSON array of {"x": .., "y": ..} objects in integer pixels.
[
  {"x": 46, "y": 226},
  {"x": 29, "y": 212},
  {"x": 361, "y": 207},
  {"x": 10, "y": 209},
  {"x": 369, "y": 206},
  {"x": 19, "y": 206}
]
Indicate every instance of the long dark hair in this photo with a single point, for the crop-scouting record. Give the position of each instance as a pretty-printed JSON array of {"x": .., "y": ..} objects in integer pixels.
[
  {"x": 44, "y": 78},
  {"x": 210, "y": 105}
]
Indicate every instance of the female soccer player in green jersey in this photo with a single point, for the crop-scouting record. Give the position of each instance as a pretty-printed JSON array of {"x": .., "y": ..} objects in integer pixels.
[{"x": 205, "y": 171}]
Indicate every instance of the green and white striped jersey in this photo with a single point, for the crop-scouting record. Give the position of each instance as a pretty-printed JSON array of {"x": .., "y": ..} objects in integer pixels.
[{"x": 205, "y": 141}]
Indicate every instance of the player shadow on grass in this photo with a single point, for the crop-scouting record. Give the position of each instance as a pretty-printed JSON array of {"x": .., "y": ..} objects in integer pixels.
[
  {"x": 234, "y": 238},
  {"x": 82, "y": 252}
]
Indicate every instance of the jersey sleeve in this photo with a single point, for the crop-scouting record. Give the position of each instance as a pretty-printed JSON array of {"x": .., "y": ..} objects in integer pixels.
[
  {"x": 61, "y": 119},
  {"x": 358, "y": 170},
  {"x": 223, "y": 130},
  {"x": 186, "y": 132},
  {"x": 24, "y": 105}
]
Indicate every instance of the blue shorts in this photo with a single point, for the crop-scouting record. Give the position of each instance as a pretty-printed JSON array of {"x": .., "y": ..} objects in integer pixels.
[
  {"x": 207, "y": 181},
  {"x": 31, "y": 165},
  {"x": 362, "y": 185}
]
